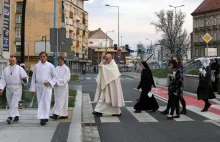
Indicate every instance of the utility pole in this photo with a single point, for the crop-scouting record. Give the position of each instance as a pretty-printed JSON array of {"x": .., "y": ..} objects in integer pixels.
[{"x": 23, "y": 32}]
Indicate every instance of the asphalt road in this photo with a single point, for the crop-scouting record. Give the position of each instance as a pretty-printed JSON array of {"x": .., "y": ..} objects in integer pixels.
[{"x": 131, "y": 128}]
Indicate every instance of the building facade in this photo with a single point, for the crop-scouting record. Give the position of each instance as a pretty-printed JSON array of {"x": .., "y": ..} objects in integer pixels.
[
  {"x": 4, "y": 33},
  {"x": 39, "y": 19},
  {"x": 206, "y": 19},
  {"x": 98, "y": 38}
]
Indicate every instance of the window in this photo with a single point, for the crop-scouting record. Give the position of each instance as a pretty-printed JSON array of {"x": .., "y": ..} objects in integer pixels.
[
  {"x": 207, "y": 22},
  {"x": 215, "y": 22},
  {"x": 19, "y": 7},
  {"x": 196, "y": 40},
  {"x": 18, "y": 19},
  {"x": 18, "y": 33},
  {"x": 214, "y": 37},
  {"x": 18, "y": 47},
  {"x": 196, "y": 25}
]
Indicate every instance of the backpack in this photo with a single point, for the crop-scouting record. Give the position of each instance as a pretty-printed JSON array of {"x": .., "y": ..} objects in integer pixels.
[{"x": 212, "y": 76}]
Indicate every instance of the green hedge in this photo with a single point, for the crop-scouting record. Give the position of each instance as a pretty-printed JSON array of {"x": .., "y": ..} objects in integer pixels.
[
  {"x": 161, "y": 73},
  {"x": 74, "y": 77}
]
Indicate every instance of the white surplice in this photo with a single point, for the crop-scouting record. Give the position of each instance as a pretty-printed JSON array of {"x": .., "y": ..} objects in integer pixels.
[
  {"x": 109, "y": 95},
  {"x": 43, "y": 72},
  {"x": 12, "y": 79},
  {"x": 61, "y": 91}
]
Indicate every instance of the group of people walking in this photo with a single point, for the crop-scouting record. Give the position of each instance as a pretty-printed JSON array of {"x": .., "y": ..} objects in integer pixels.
[
  {"x": 45, "y": 77},
  {"x": 109, "y": 95}
]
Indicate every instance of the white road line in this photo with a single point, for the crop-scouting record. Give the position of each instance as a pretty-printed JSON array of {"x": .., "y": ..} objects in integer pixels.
[
  {"x": 88, "y": 78},
  {"x": 208, "y": 115},
  {"x": 142, "y": 117},
  {"x": 109, "y": 119},
  {"x": 128, "y": 101},
  {"x": 216, "y": 106},
  {"x": 129, "y": 79}
]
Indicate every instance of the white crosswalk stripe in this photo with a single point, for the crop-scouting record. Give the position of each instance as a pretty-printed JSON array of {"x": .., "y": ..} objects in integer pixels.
[
  {"x": 149, "y": 118},
  {"x": 207, "y": 114},
  {"x": 141, "y": 117}
]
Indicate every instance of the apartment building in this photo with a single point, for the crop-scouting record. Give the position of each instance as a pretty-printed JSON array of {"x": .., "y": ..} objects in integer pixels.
[
  {"x": 4, "y": 33},
  {"x": 39, "y": 19},
  {"x": 206, "y": 19}
]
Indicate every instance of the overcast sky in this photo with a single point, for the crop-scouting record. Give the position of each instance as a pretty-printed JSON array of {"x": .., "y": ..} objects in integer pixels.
[{"x": 135, "y": 17}]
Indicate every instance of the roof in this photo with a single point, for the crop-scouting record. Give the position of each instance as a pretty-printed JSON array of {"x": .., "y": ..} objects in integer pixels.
[
  {"x": 91, "y": 33},
  {"x": 98, "y": 36},
  {"x": 207, "y": 6}
]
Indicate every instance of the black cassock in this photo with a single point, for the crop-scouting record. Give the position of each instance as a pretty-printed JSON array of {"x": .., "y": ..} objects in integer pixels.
[{"x": 145, "y": 102}]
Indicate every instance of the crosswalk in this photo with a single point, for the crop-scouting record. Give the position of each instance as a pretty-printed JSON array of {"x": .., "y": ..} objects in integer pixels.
[
  {"x": 155, "y": 117},
  {"x": 94, "y": 78}
]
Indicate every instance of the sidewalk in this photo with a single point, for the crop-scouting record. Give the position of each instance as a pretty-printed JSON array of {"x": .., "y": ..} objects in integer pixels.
[
  {"x": 28, "y": 128},
  {"x": 162, "y": 83}
]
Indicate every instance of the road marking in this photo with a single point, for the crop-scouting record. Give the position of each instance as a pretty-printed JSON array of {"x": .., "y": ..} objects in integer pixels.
[
  {"x": 108, "y": 119},
  {"x": 141, "y": 117},
  {"x": 129, "y": 79},
  {"x": 216, "y": 106},
  {"x": 128, "y": 101},
  {"x": 88, "y": 78},
  {"x": 207, "y": 114}
]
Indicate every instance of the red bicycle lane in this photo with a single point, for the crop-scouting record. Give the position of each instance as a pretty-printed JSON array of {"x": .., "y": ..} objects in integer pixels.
[{"x": 190, "y": 100}]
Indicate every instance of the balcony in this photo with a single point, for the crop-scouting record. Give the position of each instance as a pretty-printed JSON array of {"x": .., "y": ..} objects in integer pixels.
[{"x": 71, "y": 28}]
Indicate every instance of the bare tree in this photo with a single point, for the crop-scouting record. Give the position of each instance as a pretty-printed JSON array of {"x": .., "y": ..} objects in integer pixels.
[{"x": 175, "y": 41}]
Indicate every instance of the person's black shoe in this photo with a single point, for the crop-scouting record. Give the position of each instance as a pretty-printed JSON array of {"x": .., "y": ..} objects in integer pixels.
[
  {"x": 42, "y": 122},
  {"x": 137, "y": 111},
  {"x": 54, "y": 117},
  {"x": 16, "y": 119},
  {"x": 9, "y": 120},
  {"x": 97, "y": 114},
  {"x": 63, "y": 117},
  {"x": 183, "y": 111},
  {"x": 46, "y": 120},
  {"x": 164, "y": 112},
  {"x": 116, "y": 114},
  {"x": 208, "y": 106}
]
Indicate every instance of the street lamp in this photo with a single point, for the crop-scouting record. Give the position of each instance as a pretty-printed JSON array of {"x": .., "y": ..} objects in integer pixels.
[
  {"x": 176, "y": 7},
  {"x": 27, "y": 43},
  {"x": 118, "y": 20},
  {"x": 107, "y": 37},
  {"x": 44, "y": 38}
]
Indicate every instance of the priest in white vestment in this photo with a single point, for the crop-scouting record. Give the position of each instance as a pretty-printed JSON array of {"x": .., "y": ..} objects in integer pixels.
[
  {"x": 43, "y": 80},
  {"x": 109, "y": 95},
  {"x": 11, "y": 78},
  {"x": 61, "y": 91}
]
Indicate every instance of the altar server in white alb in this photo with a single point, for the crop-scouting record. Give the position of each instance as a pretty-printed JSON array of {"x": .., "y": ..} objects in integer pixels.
[
  {"x": 43, "y": 80},
  {"x": 12, "y": 77},
  {"x": 61, "y": 91},
  {"x": 109, "y": 95}
]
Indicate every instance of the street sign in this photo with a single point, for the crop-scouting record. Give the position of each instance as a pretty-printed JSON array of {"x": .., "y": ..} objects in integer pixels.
[
  {"x": 207, "y": 38},
  {"x": 149, "y": 51},
  {"x": 119, "y": 57},
  {"x": 119, "y": 51},
  {"x": 131, "y": 51}
]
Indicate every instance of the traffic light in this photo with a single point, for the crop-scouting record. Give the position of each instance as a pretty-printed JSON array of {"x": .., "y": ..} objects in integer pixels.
[
  {"x": 126, "y": 47},
  {"x": 115, "y": 47}
]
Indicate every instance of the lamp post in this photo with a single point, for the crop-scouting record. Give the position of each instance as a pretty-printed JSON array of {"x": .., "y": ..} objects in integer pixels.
[
  {"x": 44, "y": 38},
  {"x": 26, "y": 43},
  {"x": 149, "y": 40},
  {"x": 118, "y": 20},
  {"x": 176, "y": 7},
  {"x": 107, "y": 37}
]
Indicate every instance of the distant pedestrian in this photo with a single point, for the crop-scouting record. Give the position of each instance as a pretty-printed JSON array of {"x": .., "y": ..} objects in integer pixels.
[
  {"x": 205, "y": 91},
  {"x": 12, "y": 77},
  {"x": 61, "y": 91},
  {"x": 43, "y": 80},
  {"x": 146, "y": 101},
  {"x": 174, "y": 89},
  {"x": 94, "y": 69},
  {"x": 215, "y": 70}
]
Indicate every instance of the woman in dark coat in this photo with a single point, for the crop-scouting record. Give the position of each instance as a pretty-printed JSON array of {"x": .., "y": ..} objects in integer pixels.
[
  {"x": 204, "y": 91},
  {"x": 175, "y": 89},
  {"x": 145, "y": 102},
  {"x": 215, "y": 69}
]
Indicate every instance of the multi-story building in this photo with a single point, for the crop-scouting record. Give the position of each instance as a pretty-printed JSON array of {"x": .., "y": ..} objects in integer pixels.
[
  {"x": 4, "y": 33},
  {"x": 39, "y": 19},
  {"x": 206, "y": 19}
]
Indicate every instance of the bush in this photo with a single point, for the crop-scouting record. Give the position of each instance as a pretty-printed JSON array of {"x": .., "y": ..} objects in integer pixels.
[
  {"x": 74, "y": 77},
  {"x": 161, "y": 73}
]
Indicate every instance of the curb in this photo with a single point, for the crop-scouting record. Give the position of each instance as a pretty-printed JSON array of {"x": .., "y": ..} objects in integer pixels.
[
  {"x": 130, "y": 75},
  {"x": 75, "y": 129}
]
